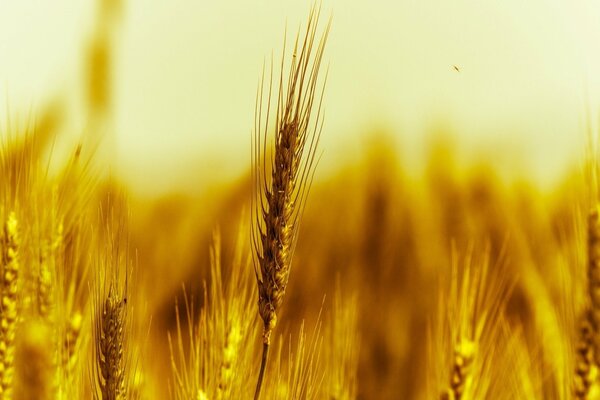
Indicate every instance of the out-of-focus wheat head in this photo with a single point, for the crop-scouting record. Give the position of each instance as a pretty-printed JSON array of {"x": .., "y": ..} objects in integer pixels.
[
  {"x": 466, "y": 330},
  {"x": 342, "y": 346},
  {"x": 213, "y": 357},
  {"x": 34, "y": 365},
  {"x": 299, "y": 373}
]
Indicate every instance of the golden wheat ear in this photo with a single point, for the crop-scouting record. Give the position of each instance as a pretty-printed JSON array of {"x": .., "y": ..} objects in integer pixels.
[
  {"x": 219, "y": 368},
  {"x": 9, "y": 310},
  {"x": 34, "y": 363},
  {"x": 112, "y": 370},
  {"x": 587, "y": 354},
  {"x": 342, "y": 335},
  {"x": 282, "y": 171},
  {"x": 467, "y": 333},
  {"x": 110, "y": 343},
  {"x": 593, "y": 275}
]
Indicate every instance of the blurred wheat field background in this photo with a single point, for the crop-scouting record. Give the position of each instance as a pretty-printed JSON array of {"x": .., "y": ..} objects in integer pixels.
[{"x": 455, "y": 276}]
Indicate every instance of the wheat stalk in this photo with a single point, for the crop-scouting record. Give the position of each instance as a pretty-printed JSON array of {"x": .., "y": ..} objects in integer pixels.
[{"x": 280, "y": 199}]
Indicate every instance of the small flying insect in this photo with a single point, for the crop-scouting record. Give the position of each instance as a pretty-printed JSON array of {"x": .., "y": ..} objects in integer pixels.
[{"x": 456, "y": 68}]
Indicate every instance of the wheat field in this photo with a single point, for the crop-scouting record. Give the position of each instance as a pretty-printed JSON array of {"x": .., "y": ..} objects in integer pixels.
[{"x": 456, "y": 283}]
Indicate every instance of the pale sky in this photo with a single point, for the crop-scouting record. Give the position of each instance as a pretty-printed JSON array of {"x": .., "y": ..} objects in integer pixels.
[{"x": 186, "y": 73}]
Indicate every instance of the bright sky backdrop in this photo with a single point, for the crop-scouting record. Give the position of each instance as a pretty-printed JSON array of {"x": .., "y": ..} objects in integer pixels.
[{"x": 186, "y": 73}]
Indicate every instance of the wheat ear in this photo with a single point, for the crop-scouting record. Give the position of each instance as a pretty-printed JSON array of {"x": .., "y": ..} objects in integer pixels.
[
  {"x": 280, "y": 198},
  {"x": 70, "y": 342},
  {"x": 8, "y": 317},
  {"x": 593, "y": 275},
  {"x": 585, "y": 369},
  {"x": 461, "y": 378},
  {"x": 34, "y": 362},
  {"x": 111, "y": 333},
  {"x": 588, "y": 345}
]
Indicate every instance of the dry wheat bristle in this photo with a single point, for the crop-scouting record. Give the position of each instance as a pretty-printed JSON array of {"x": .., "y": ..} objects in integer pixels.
[{"x": 8, "y": 319}]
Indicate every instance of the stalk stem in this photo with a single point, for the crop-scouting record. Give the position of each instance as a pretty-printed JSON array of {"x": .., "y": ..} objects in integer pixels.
[{"x": 263, "y": 365}]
